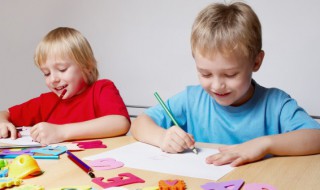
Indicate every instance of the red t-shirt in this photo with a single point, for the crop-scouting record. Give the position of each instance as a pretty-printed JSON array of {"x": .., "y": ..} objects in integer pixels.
[{"x": 100, "y": 99}]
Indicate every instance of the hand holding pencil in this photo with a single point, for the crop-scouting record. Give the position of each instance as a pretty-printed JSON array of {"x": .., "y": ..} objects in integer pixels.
[
  {"x": 176, "y": 140},
  {"x": 175, "y": 135}
]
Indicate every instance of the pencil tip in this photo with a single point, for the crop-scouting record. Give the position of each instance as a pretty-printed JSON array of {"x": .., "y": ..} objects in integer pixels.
[
  {"x": 195, "y": 150},
  {"x": 91, "y": 174}
]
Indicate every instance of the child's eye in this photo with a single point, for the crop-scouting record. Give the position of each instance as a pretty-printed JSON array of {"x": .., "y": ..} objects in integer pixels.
[
  {"x": 63, "y": 70},
  {"x": 205, "y": 75},
  {"x": 231, "y": 75},
  {"x": 46, "y": 74}
]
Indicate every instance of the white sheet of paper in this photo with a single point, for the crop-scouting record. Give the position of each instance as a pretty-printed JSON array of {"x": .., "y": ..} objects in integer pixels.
[
  {"x": 24, "y": 141},
  {"x": 143, "y": 156}
]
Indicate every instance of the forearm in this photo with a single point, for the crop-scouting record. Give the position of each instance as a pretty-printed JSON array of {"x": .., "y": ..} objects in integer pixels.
[
  {"x": 106, "y": 126},
  {"x": 300, "y": 142},
  {"x": 144, "y": 129}
]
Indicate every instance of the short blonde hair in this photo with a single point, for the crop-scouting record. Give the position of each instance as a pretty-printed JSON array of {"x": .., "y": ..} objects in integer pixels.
[
  {"x": 68, "y": 42},
  {"x": 233, "y": 28}
]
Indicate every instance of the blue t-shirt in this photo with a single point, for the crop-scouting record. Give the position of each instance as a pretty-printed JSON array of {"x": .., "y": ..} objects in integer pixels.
[{"x": 270, "y": 111}]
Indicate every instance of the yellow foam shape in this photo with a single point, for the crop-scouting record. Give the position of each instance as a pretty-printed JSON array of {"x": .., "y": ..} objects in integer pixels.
[
  {"x": 29, "y": 187},
  {"x": 85, "y": 187},
  {"x": 22, "y": 166},
  {"x": 9, "y": 182}
]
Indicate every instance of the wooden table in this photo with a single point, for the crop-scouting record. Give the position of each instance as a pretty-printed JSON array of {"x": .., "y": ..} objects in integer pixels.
[{"x": 284, "y": 173}]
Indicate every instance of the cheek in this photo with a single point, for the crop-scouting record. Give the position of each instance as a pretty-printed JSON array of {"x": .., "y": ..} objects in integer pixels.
[
  {"x": 242, "y": 83},
  {"x": 47, "y": 81},
  {"x": 235, "y": 83},
  {"x": 68, "y": 75},
  {"x": 73, "y": 74},
  {"x": 204, "y": 83}
]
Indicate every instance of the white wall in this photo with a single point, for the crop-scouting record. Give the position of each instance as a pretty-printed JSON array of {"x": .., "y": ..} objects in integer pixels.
[{"x": 143, "y": 45}]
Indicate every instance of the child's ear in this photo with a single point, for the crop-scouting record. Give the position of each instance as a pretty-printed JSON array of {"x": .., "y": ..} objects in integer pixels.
[{"x": 258, "y": 61}]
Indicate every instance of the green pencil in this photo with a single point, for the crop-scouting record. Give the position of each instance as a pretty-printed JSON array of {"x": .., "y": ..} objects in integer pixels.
[{"x": 170, "y": 115}]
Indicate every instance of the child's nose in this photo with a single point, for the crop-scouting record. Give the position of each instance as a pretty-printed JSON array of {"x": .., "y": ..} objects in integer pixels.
[
  {"x": 217, "y": 84},
  {"x": 55, "y": 78}
]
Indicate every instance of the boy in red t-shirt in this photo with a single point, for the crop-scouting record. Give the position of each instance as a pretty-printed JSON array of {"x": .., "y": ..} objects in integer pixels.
[{"x": 79, "y": 105}]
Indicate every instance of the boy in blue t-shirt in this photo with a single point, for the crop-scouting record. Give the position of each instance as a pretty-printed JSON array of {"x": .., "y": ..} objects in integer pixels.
[{"x": 230, "y": 107}]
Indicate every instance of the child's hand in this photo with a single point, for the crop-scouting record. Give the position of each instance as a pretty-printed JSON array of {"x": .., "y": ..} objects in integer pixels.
[
  {"x": 240, "y": 154},
  {"x": 46, "y": 133},
  {"x": 7, "y": 130},
  {"x": 176, "y": 140}
]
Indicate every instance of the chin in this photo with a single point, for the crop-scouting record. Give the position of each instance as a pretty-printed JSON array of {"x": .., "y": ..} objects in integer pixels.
[{"x": 223, "y": 103}]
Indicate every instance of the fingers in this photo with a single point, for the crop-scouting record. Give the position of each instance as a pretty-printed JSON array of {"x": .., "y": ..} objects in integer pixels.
[
  {"x": 173, "y": 143},
  {"x": 36, "y": 136},
  {"x": 13, "y": 131},
  {"x": 34, "y": 133},
  {"x": 190, "y": 141},
  {"x": 185, "y": 140},
  {"x": 8, "y": 130},
  {"x": 43, "y": 133},
  {"x": 33, "y": 130},
  {"x": 177, "y": 140},
  {"x": 239, "y": 161},
  {"x": 232, "y": 158},
  {"x": 4, "y": 132},
  {"x": 221, "y": 159}
]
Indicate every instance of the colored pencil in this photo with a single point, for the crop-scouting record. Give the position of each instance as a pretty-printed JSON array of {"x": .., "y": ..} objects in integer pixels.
[
  {"x": 10, "y": 156},
  {"x": 81, "y": 164},
  {"x": 54, "y": 107},
  {"x": 166, "y": 109}
]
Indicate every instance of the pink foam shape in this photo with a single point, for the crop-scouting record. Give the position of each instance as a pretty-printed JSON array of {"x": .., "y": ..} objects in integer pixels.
[
  {"x": 122, "y": 179},
  {"x": 171, "y": 182},
  {"x": 105, "y": 164},
  {"x": 91, "y": 144}
]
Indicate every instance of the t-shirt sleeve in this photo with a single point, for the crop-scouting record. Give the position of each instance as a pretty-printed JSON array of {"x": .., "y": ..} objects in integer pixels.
[
  {"x": 176, "y": 105},
  {"x": 109, "y": 101},
  {"x": 293, "y": 117},
  {"x": 26, "y": 114}
]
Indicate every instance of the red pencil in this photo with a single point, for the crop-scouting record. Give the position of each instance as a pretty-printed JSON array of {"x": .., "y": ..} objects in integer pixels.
[
  {"x": 54, "y": 107},
  {"x": 81, "y": 164}
]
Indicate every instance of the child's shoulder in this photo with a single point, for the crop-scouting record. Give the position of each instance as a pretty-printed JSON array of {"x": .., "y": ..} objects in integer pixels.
[
  {"x": 104, "y": 82},
  {"x": 272, "y": 93},
  {"x": 104, "y": 86},
  {"x": 48, "y": 95}
]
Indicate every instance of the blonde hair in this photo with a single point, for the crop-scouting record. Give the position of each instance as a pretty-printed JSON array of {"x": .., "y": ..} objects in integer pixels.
[
  {"x": 68, "y": 42},
  {"x": 233, "y": 28}
]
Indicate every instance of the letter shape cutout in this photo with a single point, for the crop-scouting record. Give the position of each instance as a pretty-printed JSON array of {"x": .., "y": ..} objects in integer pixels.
[
  {"x": 51, "y": 150},
  {"x": 228, "y": 185},
  {"x": 256, "y": 186},
  {"x": 123, "y": 179},
  {"x": 105, "y": 164}
]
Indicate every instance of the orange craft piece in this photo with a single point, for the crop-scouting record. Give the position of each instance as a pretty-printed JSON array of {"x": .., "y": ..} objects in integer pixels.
[{"x": 172, "y": 185}]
